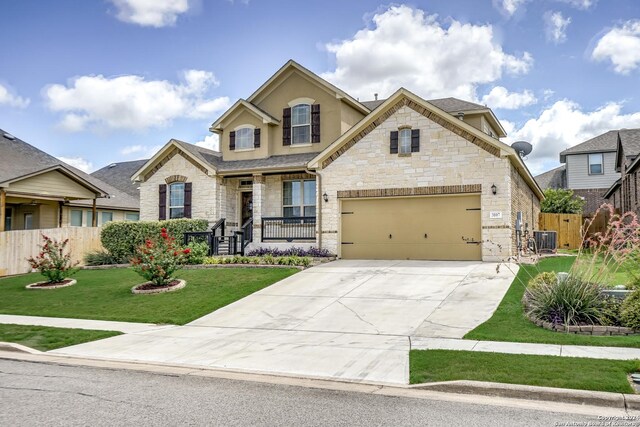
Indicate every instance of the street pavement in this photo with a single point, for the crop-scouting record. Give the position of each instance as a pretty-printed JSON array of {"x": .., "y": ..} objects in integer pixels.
[{"x": 38, "y": 394}]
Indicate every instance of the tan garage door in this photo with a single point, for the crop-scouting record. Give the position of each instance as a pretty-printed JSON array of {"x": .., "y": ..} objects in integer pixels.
[{"x": 431, "y": 228}]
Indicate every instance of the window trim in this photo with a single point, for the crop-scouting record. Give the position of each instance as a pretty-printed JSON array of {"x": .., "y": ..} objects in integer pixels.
[
  {"x": 302, "y": 206},
  {"x": 308, "y": 125},
  {"x": 250, "y": 131},
  {"x": 170, "y": 206},
  {"x": 601, "y": 163},
  {"x": 71, "y": 211}
]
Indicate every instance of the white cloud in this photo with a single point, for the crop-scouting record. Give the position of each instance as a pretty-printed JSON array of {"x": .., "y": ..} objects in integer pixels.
[
  {"x": 150, "y": 13},
  {"x": 78, "y": 162},
  {"x": 555, "y": 26},
  {"x": 563, "y": 125},
  {"x": 132, "y": 102},
  {"x": 212, "y": 142},
  {"x": 620, "y": 45},
  {"x": 11, "y": 100},
  {"x": 508, "y": 7},
  {"x": 408, "y": 48},
  {"x": 580, "y": 4},
  {"x": 500, "y": 97},
  {"x": 140, "y": 151}
]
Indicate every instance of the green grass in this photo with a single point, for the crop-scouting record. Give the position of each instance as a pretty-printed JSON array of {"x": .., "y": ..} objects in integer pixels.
[
  {"x": 106, "y": 295},
  {"x": 624, "y": 275},
  {"x": 45, "y": 338},
  {"x": 547, "y": 371},
  {"x": 508, "y": 323}
]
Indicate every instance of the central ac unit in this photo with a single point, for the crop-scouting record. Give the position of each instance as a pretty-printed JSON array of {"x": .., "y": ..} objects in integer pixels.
[{"x": 546, "y": 241}]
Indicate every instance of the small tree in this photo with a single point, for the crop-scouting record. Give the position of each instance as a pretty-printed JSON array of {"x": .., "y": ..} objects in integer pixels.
[
  {"x": 561, "y": 200},
  {"x": 53, "y": 261},
  {"x": 159, "y": 258}
]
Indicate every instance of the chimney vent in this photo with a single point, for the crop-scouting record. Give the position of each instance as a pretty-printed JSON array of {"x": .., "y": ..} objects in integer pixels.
[{"x": 375, "y": 95}]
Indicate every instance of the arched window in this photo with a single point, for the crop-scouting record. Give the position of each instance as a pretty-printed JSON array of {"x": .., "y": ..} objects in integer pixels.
[
  {"x": 301, "y": 124},
  {"x": 244, "y": 138},
  {"x": 176, "y": 200}
]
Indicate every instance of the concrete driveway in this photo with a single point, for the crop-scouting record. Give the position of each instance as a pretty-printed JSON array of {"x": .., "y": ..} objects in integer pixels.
[{"x": 348, "y": 320}]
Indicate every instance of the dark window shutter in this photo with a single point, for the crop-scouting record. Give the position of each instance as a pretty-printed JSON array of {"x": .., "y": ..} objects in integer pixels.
[
  {"x": 256, "y": 138},
  {"x": 415, "y": 140},
  {"x": 286, "y": 126},
  {"x": 187, "y": 200},
  {"x": 394, "y": 142},
  {"x": 315, "y": 123},
  {"x": 162, "y": 202},
  {"x": 232, "y": 140}
]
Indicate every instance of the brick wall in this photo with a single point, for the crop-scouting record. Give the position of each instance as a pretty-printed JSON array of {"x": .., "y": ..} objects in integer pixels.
[
  {"x": 523, "y": 200},
  {"x": 593, "y": 199}
]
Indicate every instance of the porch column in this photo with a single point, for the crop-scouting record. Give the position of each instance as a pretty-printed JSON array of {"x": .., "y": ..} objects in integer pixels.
[
  {"x": 94, "y": 219},
  {"x": 221, "y": 198},
  {"x": 258, "y": 205},
  {"x": 3, "y": 208}
]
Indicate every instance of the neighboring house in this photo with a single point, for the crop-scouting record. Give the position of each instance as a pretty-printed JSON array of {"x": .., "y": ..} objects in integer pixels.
[
  {"x": 39, "y": 191},
  {"x": 590, "y": 169},
  {"x": 302, "y": 162},
  {"x": 555, "y": 178},
  {"x": 623, "y": 193}
]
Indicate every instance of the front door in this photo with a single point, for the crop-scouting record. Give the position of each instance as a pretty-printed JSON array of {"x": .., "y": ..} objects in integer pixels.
[{"x": 247, "y": 206}]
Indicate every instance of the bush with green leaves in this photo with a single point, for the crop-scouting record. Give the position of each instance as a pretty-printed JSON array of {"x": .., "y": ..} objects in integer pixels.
[
  {"x": 560, "y": 200},
  {"x": 544, "y": 278},
  {"x": 567, "y": 302},
  {"x": 630, "y": 311},
  {"x": 54, "y": 260},
  {"x": 611, "y": 311},
  {"x": 121, "y": 238},
  {"x": 99, "y": 258},
  {"x": 294, "y": 261},
  {"x": 198, "y": 254}
]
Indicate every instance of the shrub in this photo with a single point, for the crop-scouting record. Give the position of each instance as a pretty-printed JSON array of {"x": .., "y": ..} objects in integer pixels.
[
  {"x": 567, "y": 302},
  {"x": 544, "y": 278},
  {"x": 630, "y": 311},
  {"x": 611, "y": 311},
  {"x": 53, "y": 261},
  {"x": 198, "y": 252},
  {"x": 121, "y": 238},
  {"x": 293, "y": 251},
  {"x": 561, "y": 201},
  {"x": 158, "y": 258},
  {"x": 265, "y": 260},
  {"x": 99, "y": 258}
]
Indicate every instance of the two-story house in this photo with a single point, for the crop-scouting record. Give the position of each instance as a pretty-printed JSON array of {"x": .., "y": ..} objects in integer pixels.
[
  {"x": 623, "y": 193},
  {"x": 588, "y": 169},
  {"x": 302, "y": 162}
]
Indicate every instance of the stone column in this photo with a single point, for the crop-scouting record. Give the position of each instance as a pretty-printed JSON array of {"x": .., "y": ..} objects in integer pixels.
[{"x": 258, "y": 206}]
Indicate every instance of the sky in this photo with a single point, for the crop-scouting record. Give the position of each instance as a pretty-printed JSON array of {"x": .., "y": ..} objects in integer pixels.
[{"x": 99, "y": 81}]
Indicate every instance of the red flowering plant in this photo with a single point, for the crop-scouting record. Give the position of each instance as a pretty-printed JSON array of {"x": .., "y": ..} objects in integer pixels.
[
  {"x": 159, "y": 258},
  {"x": 53, "y": 261}
]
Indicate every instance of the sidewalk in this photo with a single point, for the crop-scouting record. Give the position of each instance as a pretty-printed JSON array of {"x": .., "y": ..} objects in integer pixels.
[
  {"x": 590, "y": 352},
  {"x": 99, "y": 325}
]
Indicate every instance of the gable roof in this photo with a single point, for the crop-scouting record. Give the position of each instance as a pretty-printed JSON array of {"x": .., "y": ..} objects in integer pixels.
[
  {"x": 607, "y": 141},
  {"x": 118, "y": 175},
  {"x": 293, "y": 65},
  {"x": 612, "y": 189},
  {"x": 389, "y": 106},
  {"x": 555, "y": 178},
  {"x": 241, "y": 103},
  {"x": 20, "y": 160}
]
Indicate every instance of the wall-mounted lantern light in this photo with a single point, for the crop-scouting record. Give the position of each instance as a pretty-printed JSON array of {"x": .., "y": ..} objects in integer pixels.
[
  {"x": 325, "y": 197},
  {"x": 494, "y": 189}
]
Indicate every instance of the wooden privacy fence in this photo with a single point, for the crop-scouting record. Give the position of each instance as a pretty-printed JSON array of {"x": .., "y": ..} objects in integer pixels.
[
  {"x": 568, "y": 227},
  {"x": 16, "y": 246}
]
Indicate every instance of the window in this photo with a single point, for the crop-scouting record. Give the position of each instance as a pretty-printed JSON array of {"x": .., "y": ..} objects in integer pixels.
[
  {"x": 105, "y": 217},
  {"x": 301, "y": 124},
  {"x": 8, "y": 214},
  {"x": 176, "y": 200},
  {"x": 299, "y": 198},
  {"x": 244, "y": 138},
  {"x": 132, "y": 217},
  {"x": 28, "y": 221},
  {"x": 404, "y": 143},
  {"x": 595, "y": 164},
  {"x": 89, "y": 218},
  {"x": 75, "y": 218}
]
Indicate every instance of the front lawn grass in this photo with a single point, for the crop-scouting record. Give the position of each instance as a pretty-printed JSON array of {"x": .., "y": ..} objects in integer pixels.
[
  {"x": 45, "y": 338},
  {"x": 547, "y": 371},
  {"x": 106, "y": 295},
  {"x": 508, "y": 323}
]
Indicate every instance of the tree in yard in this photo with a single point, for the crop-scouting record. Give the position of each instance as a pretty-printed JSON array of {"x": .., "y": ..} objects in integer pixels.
[{"x": 561, "y": 200}]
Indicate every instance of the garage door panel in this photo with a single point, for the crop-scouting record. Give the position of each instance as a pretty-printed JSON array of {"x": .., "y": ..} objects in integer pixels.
[{"x": 438, "y": 228}]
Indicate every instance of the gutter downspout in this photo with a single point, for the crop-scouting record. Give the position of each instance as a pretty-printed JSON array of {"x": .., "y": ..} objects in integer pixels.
[{"x": 319, "y": 203}]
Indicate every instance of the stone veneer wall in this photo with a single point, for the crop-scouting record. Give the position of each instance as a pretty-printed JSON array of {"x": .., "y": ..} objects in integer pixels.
[
  {"x": 445, "y": 159},
  {"x": 524, "y": 200},
  {"x": 204, "y": 190}
]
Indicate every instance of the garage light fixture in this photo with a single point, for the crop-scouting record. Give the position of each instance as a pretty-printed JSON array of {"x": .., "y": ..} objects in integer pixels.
[
  {"x": 325, "y": 197},
  {"x": 494, "y": 189}
]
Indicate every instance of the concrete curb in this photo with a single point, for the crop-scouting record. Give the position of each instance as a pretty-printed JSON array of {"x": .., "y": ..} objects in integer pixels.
[{"x": 17, "y": 348}]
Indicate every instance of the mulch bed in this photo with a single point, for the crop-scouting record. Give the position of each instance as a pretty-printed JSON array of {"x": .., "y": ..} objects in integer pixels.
[
  {"x": 150, "y": 286},
  {"x": 49, "y": 285}
]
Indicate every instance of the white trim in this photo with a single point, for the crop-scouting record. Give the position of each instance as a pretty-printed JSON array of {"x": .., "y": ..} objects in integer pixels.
[
  {"x": 244, "y": 126},
  {"x": 301, "y": 100}
]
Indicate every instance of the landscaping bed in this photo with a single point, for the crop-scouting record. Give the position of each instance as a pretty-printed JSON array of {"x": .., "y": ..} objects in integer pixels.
[
  {"x": 45, "y": 338},
  {"x": 545, "y": 371},
  {"x": 106, "y": 295}
]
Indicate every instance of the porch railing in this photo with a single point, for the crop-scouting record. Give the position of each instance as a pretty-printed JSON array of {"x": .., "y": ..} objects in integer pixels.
[{"x": 288, "y": 229}]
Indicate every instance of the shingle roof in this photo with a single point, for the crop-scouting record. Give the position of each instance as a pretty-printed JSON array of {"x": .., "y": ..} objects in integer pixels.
[
  {"x": 608, "y": 141},
  {"x": 118, "y": 175},
  {"x": 273, "y": 162},
  {"x": 555, "y": 178},
  {"x": 450, "y": 105},
  {"x": 18, "y": 159},
  {"x": 204, "y": 154},
  {"x": 630, "y": 140}
]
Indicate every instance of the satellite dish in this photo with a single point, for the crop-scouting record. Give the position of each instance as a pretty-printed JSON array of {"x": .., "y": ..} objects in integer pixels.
[{"x": 523, "y": 148}]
